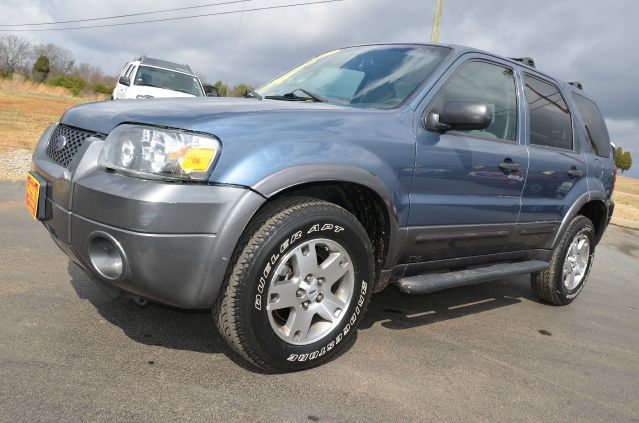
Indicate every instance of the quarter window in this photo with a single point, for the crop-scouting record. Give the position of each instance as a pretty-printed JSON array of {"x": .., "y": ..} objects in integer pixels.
[
  {"x": 550, "y": 122},
  {"x": 486, "y": 83},
  {"x": 594, "y": 125}
]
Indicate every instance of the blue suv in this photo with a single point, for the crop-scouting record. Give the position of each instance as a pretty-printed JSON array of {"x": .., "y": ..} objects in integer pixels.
[{"x": 423, "y": 166}]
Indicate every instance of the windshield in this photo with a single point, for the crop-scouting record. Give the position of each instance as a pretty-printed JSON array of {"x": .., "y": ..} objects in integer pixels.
[
  {"x": 161, "y": 78},
  {"x": 372, "y": 76}
]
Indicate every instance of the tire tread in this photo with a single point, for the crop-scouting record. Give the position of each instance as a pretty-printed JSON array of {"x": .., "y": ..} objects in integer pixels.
[
  {"x": 225, "y": 310},
  {"x": 543, "y": 284}
]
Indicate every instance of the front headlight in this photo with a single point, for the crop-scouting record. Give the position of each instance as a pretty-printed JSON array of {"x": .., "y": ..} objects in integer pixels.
[{"x": 152, "y": 152}]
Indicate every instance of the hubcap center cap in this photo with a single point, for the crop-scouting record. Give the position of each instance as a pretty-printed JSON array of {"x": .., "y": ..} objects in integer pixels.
[{"x": 310, "y": 290}]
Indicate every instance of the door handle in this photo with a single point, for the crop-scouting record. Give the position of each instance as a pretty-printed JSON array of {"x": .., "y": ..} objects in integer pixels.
[
  {"x": 576, "y": 172},
  {"x": 513, "y": 167}
]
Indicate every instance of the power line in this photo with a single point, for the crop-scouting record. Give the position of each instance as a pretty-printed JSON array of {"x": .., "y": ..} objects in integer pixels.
[
  {"x": 230, "y": 12},
  {"x": 128, "y": 15}
]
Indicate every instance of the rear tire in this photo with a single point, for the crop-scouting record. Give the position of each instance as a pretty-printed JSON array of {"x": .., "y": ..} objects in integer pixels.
[
  {"x": 298, "y": 285},
  {"x": 570, "y": 264}
]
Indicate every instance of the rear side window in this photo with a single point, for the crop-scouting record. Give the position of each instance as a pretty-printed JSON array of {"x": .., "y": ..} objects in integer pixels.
[
  {"x": 550, "y": 122},
  {"x": 594, "y": 125}
]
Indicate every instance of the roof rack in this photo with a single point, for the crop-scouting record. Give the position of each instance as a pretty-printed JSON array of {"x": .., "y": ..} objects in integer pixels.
[
  {"x": 577, "y": 84},
  {"x": 528, "y": 61}
]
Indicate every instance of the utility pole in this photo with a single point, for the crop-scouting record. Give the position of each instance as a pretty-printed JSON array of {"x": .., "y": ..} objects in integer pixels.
[{"x": 434, "y": 36}]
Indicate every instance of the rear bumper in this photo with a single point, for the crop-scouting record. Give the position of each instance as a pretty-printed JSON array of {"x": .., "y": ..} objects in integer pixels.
[{"x": 168, "y": 242}]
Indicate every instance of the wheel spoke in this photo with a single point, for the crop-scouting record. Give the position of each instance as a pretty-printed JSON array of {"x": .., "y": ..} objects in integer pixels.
[
  {"x": 571, "y": 278},
  {"x": 282, "y": 295},
  {"x": 299, "y": 322},
  {"x": 573, "y": 249},
  {"x": 582, "y": 247},
  {"x": 567, "y": 269},
  {"x": 332, "y": 303},
  {"x": 325, "y": 312},
  {"x": 306, "y": 263},
  {"x": 582, "y": 263},
  {"x": 332, "y": 269}
]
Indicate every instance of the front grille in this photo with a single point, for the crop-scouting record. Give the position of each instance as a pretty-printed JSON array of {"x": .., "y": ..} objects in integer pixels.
[{"x": 74, "y": 139}]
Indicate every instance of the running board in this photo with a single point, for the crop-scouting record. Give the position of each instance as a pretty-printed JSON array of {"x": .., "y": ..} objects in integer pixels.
[{"x": 433, "y": 282}]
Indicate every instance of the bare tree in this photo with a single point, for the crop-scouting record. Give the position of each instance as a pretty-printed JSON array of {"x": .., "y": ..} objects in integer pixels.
[
  {"x": 14, "y": 54},
  {"x": 61, "y": 60}
]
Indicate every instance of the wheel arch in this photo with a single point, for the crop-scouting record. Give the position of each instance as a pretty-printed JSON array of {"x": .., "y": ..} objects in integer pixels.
[
  {"x": 356, "y": 190},
  {"x": 592, "y": 205}
]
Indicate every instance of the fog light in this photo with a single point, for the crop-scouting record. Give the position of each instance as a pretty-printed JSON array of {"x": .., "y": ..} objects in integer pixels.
[{"x": 106, "y": 255}]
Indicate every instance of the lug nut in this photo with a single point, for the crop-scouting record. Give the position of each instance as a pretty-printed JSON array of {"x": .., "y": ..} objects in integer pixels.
[
  {"x": 319, "y": 298},
  {"x": 308, "y": 278},
  {"x": 306, "y": 304},
  {"x": 320, "y": 281},
  {"x": 299, "y": 292}
]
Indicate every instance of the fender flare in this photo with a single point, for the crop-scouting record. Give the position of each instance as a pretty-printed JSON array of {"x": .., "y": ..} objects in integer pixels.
[
  {"x": 574, "y": 210},
  {"x": 309, "y": 173}
]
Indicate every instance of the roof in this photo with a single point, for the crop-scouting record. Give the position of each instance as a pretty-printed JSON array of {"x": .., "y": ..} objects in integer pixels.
[
  {"x": 165, "y": 64},
  {"x": 460, "y": 50}
]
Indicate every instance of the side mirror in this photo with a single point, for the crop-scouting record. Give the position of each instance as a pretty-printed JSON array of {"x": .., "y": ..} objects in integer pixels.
[
  {"x": 124, "y": 80},
  {"x": 210, "y": 90},
  {"x": 459, "y": 115}
]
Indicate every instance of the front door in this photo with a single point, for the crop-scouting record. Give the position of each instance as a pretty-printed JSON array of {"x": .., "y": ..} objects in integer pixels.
[{"x": 466, "y": 191}]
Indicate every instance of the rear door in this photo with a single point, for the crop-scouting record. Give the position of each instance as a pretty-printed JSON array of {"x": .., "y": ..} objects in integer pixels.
[
  {"x": 557, "y": 163},
  {"x": 465, "y": 195}
]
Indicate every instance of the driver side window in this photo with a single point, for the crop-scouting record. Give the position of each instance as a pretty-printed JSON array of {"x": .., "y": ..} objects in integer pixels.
[{"x": 490, "y": 84}]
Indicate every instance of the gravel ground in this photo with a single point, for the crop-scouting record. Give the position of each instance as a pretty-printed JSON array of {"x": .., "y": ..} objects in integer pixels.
[{"x": 14, "y": 165}]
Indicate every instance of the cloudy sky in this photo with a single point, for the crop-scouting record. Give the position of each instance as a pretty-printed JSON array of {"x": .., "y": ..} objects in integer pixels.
[{"x": 591, "y": 41}]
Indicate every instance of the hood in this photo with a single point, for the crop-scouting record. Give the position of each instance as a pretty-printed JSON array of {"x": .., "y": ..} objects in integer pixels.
[
  {"x": 183, "y": 113},
  {"x": 156, "y": 92}
]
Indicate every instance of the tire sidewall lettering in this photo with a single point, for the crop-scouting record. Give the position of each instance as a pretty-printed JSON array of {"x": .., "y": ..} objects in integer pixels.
[{"x": 327, "y": 228}]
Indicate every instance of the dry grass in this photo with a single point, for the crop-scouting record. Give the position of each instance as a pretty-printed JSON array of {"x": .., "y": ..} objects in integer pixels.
[
  {"x": 26, "y": 109},
  {"x": 627, "y": 185},
  {"x": 626, "y": 197}
]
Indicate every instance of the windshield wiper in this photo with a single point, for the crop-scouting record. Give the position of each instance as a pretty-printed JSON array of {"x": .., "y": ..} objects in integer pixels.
[{"x": 294, "y": 97}]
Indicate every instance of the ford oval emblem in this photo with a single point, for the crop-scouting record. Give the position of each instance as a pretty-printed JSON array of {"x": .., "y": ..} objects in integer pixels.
[{"x": 59, "y": 143}]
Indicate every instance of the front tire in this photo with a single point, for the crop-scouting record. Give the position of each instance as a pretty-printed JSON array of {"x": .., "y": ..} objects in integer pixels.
[
  {"x": 298, "y": 285},
  {"x": 569, "y": 266}
]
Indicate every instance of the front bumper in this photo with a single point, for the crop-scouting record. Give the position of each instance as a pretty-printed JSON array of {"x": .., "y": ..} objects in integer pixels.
[{"x": 173, "y": 240}]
